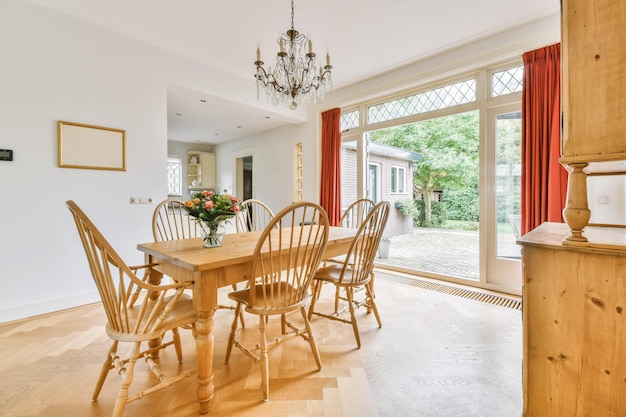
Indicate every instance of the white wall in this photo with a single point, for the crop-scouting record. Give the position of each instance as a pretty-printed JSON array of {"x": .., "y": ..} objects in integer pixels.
[
  {"x": 55, "y": 67},
  {"x": 607, "y": 200}
]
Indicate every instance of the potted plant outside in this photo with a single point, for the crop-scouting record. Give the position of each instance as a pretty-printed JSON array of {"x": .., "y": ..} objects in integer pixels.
[{"x": 383, "y": 247}]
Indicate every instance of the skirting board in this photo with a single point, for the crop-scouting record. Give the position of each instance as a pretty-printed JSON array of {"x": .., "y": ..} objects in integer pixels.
[{"x": 23, "y": 311}]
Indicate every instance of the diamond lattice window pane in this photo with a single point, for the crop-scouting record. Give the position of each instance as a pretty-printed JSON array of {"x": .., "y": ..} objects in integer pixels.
[
  {"x": 507, "y": 81},
  {"x": 349, "y": 120},
  {"x": 440, "y": 98},
  {"x": 174, "y": 186}
]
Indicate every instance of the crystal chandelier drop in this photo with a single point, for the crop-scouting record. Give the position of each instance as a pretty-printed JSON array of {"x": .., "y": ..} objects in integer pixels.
[{"x": 296, "y": 78}]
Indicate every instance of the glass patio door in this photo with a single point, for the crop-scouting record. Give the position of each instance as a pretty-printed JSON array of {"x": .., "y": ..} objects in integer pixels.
[{"x": 503, "y": 180}]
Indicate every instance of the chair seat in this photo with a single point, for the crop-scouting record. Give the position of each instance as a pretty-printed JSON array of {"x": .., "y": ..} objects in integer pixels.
[
  {"x": 280, "y": 289},
  {"x": 333, "y": 273},
  {"x": 181, "y": 315}
]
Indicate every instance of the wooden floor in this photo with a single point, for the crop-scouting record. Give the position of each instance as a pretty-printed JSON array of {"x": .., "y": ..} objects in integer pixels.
[{"x": 436, "y": 355}]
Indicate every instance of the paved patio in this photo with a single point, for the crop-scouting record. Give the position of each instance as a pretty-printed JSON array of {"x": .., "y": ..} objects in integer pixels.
[{"x": 442, "y": 251}]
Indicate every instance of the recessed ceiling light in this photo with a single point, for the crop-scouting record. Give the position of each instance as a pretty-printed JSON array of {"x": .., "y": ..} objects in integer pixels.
[
  {"x": 267, "y": 117},
  {"x": 238, "y": 127},
  {"x": 202, "y": 100},
  {"x": 216, "y": 134},
  {"x": 178, "y": 114}
]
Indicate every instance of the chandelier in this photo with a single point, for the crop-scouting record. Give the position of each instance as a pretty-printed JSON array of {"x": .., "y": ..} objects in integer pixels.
[{"x": 296, "y": 77}]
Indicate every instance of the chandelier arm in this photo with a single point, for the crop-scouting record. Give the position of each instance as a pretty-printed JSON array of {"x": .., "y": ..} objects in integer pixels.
[{"x": 269, "y": 79}]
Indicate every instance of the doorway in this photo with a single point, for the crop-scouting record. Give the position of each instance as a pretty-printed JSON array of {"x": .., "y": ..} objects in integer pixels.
[{"x": 244, "y": 176}]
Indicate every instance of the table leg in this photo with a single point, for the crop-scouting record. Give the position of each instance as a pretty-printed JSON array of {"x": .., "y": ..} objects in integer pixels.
[
  {"x": 204, "y": 346},
  {"x": 154, "y": 279},
  {"x": 204, "y": 300}
]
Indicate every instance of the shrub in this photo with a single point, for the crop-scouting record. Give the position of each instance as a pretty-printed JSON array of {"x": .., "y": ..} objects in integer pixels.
[
  {"x": 462, "y": 204},
  {"x": 407, "y": 207},
  {"x": 438, "y": 215}
]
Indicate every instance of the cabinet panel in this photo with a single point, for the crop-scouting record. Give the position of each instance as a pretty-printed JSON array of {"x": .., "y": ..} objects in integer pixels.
[
  {"x": 574, "y": 323},
  {"x": 207, "y": 161},
  {"x": 593, "y": 99},
  {"x": 200, "y": 170}
]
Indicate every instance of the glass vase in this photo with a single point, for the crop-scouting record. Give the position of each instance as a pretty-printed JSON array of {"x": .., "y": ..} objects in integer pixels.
[{"x": 212, "y": 234}]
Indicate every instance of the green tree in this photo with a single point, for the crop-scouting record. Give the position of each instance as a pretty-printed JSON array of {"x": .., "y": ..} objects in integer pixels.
[{"x": 449, "y": 148}]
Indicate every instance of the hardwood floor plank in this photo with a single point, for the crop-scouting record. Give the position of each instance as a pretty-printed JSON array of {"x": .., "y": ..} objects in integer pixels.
[{"x": 437, "y": 355}]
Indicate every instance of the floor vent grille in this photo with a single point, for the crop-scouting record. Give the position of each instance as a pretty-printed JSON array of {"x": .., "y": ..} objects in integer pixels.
[{"x": 459, "y": 292}]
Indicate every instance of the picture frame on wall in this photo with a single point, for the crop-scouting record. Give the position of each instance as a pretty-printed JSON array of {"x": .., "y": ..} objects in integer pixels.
[{"x": 91, "y": 147}]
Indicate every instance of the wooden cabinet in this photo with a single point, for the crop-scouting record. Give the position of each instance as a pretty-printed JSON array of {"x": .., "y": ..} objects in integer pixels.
[
  {"x": 574, "y": 291},
  {"x": 201, "y": 170},
  {"x": 593, "y": 56},
  {"x": 574, "y": 314}
]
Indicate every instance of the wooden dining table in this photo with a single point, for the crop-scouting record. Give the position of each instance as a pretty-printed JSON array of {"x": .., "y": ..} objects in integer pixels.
[{"x": 211, "y": 268}]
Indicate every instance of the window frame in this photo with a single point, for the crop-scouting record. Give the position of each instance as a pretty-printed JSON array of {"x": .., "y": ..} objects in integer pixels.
[{"x": 395, "y": 170}]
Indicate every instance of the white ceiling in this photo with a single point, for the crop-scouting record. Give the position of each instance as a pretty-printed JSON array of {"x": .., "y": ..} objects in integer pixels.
[{"x": 364, "y": 38}]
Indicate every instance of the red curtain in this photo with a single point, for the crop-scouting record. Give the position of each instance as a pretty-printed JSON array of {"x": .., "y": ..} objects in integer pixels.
[
  {"x": 330, "y": 194},
  {"x": 544, "y": 180}
]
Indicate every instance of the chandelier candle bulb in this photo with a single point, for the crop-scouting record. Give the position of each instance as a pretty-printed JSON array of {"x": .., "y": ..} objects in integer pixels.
[
  {"x": 258, "y": 54},
  {"x": 328, "y": 60},
  {"x": 310, "y": 47}
]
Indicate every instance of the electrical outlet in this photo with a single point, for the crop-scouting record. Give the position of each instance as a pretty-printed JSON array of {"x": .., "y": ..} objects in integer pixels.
[{"x": 134, "y": 200}]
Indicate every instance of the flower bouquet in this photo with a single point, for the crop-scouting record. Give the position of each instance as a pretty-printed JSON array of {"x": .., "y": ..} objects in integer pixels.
[{"x": 210, "y": 210}]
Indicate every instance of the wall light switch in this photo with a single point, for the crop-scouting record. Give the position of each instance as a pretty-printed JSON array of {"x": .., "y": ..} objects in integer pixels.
[
  {"x": 603, "y": 199},
  {"x": 141, "y": 200},
  {"x": 6, "y": 154}
]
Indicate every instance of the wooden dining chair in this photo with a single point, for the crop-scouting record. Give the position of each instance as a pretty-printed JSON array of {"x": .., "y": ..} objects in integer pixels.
[
  {"x": 356, "y": 270},
  {"x": 254, "y": 216},
  {"x": 170, "y": 221},
  {"x": 356, "y": 213},
  {"x": 286, "y": 256},
  {"x": 138, "y": 311},
  {"x": 352, "y": 218}
]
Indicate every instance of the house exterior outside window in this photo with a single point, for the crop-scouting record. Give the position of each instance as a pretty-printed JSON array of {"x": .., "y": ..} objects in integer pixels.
[
  {"x": 382, "y": 161},
  {"x": 398, "y": 180}
]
